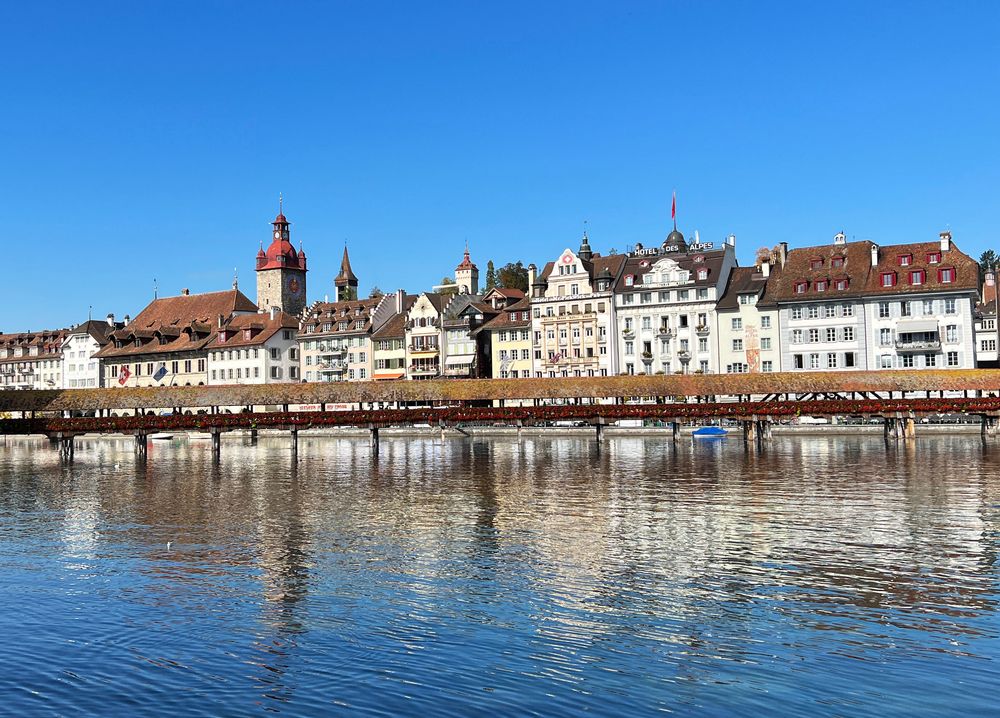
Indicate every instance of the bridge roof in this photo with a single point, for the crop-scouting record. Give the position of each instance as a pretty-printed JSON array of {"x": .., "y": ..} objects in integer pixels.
[{"x": 445, "y": 390}]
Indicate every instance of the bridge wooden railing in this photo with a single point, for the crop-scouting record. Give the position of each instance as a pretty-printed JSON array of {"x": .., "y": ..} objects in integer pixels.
[
  {"x": 666, "y": 387},
  {"x": 591, "y": 414}
]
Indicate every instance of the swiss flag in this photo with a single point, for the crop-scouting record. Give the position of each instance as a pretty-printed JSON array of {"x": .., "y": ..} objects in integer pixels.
[{"x": 123, "y": 377}]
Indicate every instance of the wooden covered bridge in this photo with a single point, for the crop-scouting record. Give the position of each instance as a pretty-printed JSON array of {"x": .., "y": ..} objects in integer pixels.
[{"x": 898, "y": 398}]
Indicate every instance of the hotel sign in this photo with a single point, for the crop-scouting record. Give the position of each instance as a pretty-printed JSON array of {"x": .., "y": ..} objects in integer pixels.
[{"x": 641, "y": 251}]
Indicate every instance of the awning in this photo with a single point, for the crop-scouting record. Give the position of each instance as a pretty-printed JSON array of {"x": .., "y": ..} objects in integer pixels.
[
  {"x": 917, "y": 326},
  {"x": 389, "y": 375},
  {"x": 459, "y": 359}
]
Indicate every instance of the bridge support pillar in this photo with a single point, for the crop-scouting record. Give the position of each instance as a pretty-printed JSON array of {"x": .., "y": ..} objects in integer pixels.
[
  {"x": 295, "y": 441},
  {"x": 142, "y": 444},
  {"x": 373, "y": 439},
  {"x": 749, "y": 431},
  {"x": 520, "y": 426},
  {"x": 989, "y": 425},
  {"x": 909, "y": 428},
  {"x": 599, "y": 432},
  {"x": 675, "y": 430},
  {"x": 216, "y": 444},
  {"x": 253, "y": 437}
]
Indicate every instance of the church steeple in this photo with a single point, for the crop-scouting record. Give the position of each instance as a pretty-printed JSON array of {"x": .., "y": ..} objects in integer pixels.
[{"x": 346, "y": 282}]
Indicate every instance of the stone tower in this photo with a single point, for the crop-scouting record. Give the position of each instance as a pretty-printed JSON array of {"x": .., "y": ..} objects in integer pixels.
[
  {"x": 467, "y": 275},
  {"x": 281, "y": 272},
  {"x": 346, "y": 282}
]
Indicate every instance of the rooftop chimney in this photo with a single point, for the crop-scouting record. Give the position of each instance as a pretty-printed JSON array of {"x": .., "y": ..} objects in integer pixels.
[
  {"x": 111, "y": 320},
  {"x": 839, "y": 238},
  {"x": 532, "y": 273},
  {"x": 127, "y": 319},
  {"x": 874, "y": 254},
  {"x": 185, "y": 292},
  {"x": 765, "y": 269},
  {"x": 945, "y": 240},
  {"x": 400, "y": 300},
  {"x": 782, "y": 252},
  {"x": 731, "y": 240},
  {"x": 274, "y": 313},
  {"x": 222, "y": 321}
]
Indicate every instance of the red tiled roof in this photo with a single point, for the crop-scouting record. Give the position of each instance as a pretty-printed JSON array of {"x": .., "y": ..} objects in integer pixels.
[{"x": 261, "y": 326}]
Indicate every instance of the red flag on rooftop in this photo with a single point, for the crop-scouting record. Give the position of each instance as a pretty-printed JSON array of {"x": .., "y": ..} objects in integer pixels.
[{"x": 673, "y": 208}]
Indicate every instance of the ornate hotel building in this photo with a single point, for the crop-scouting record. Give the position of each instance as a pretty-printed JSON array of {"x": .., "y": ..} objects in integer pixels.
[{"x": 32, "y": 360}]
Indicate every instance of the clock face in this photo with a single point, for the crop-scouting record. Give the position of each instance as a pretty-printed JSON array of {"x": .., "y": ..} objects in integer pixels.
[
  {"x": 277, "y": 234},
  {"x": 293, "y": 285}
]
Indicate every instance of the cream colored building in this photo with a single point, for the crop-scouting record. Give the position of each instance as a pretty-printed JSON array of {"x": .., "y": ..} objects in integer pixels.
[
  {"x": 31, "y": 360},
  {"x": 389, "y": 336},
  {"x": 335, "y": 341},
  {"x": 573, "y": 314},
  {"x": 255, "y": 349},
  {"x": 423, "y": 336},
  {"x": 508, "y": 335},
  {"x": 747, "y": 331}
]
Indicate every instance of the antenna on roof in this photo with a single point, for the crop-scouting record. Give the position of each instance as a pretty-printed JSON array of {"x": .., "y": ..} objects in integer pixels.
[
  {"x": 280, "y": 202},
  {"x": 585, "y": 227},
  {"x": 155, "y": 294},
  {"x": 236, "y": 279},
  {"x": 90, "y": 313}
]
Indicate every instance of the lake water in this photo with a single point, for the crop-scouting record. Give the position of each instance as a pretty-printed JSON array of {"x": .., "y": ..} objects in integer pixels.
[{"x": 822, "y": 577}]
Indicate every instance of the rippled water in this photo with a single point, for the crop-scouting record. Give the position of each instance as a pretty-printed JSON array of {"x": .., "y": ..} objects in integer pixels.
[{"x": 823, "y": 577}]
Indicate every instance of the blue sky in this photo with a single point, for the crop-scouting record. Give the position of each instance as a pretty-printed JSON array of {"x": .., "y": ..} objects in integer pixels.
[{"x": 151, "y": 140}]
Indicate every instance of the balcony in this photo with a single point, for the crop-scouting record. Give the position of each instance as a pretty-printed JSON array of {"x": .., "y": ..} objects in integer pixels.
[
  {"x": 335, "y": 367},
  {"x": 702, "y": 330},
  {"x": 665, "y": 332},
  {"x": 647, "y": 358},
  {"x": 423, "y": 369},
  {"x": 332, "y": 351},
  {"x": 423, "y": 348},
  {"x": 918, "y": 345},
  {"x": 628, "y": 333}
]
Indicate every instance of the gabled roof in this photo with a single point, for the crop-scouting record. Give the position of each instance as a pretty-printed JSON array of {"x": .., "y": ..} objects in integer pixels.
[
  {"x": 395, "y": 328},
  {"x": 711, "y": 260},
  {"x": 350, "y": 311},
  {"x": 261, "y": 326},
  {"x": 612, "y": 264},
  {"x": 504, "y": 320},
  {"x": 742, "y": 280},
  {"x": 97, "y": 330},
  {"x": 187, "y": 322}
]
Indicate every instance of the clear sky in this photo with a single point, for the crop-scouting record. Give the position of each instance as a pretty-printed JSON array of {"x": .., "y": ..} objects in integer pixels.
[{"x": 146, "y": 140}]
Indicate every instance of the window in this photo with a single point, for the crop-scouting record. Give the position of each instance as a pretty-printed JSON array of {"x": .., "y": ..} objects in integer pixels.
[
  {"x": 837, "y": 262},
  {"x": 796, "y": 336},
  {"x": 888, "y": 279},
  {"x": 703, "y": 345},
  {"x": 629, "y": 348},
  {"x": 848, "y": 334},
  {"x": 928, "y": 307},
  {"x": 883, "y": 310},
  {"x": 816, "y": 263},
  {"x": 905, "y": 260},
  {"x": 820, "y": 285},
  {"x": 767, "y": 365},
  {"x": 702, "y": 274},
  {"x": 797, "y": 361},
  {"x": 765, "y": 322},
  {"x": 813, "y": 336},
  {"x": 829, "y": 311},
  {"x": 848, "y": 360},
  {"x": 933, "y": 257},
  {"x": 737, "y": 345},
  {"x": 796, "y": 313},
  {"x": 885, "y": 361},
  {"x": 831, "y": 361},
  {"x": 801, "y": 287},
  {"x": 907, "y": 361},
  {"x": 904, "y": 309},
  {"x": 949, "y": 306},
  {"x": 765, "y": 343},
  {"x": 629, "y": 280},
  {"x": 946, "y": 275},
  {"x": 951, "y": 333},
  {"x": 841, "y": 285},
  {"x": 831, "y": 334},
  {"x": 702, "y": 293},
  {"x": 952, "y": 358},
  {"x": 737, "y": 323},
  {"x": 813, "y": 312},
  {"x": 930, "y": 360},
  {"x": 646, "y": 297},
  {"x": 647, "y": 323},
  {"x": 814, "y": 361},
  {"x": 884, "y": 337},
  {"x": 917, "y": 277}
]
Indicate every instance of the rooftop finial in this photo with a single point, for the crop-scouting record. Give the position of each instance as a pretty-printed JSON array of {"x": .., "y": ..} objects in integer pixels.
[
  {"x": 280, "y": 202},
  {"x": 236, "y": 279}
]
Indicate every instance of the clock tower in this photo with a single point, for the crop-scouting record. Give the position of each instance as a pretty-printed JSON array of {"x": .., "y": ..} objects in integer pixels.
[{"x": 281, "y": 272}]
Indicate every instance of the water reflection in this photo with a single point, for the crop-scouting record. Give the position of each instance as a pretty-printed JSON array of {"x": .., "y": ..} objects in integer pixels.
[{"x": 460, "y": 575}]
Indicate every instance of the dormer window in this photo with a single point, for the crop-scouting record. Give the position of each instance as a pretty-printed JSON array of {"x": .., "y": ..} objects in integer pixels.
[
  {"x": 841, "y": 284},
  {"x": 837, "y": 262},
  {"x": 699, "y": 258},
  {"x": 702, "y": 273},
  {"x": 801, "y": 287},
  {"x": 888, "y": 279},
  {"x": 933, "y": 257},
  {"x": 644, "y": 263},
  {"x": 820, "y": 285},
  {"x": 629, "y": 280},
  {"x": 917, "y": 277},
  {"x": 946, "y": 275},
  {"x": 905, "y": 260},
  {"x": 246, "y": 334},
  {"x": 816, "y": 263}
]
